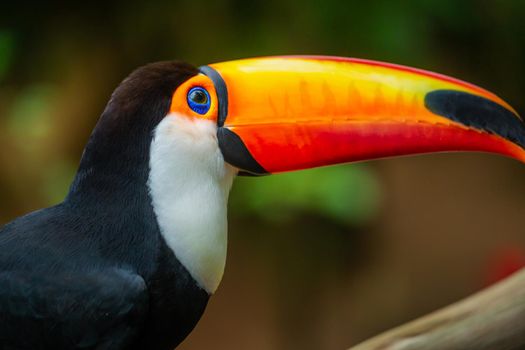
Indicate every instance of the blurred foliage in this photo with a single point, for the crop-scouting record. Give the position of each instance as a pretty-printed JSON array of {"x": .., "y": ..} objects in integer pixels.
[
  {"x": 6, "y": 51},
  {"x": 30, "y": 115},
  {"x": 348, "y": 194}
]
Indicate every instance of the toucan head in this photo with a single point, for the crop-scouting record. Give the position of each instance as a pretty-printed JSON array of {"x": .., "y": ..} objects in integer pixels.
[
  {"x": 277, "y": 114},
  {"x": 176, "y": 136}
]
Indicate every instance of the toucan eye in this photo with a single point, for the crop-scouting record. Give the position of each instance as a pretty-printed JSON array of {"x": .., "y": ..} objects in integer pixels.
[{"x": 199, "y": 100}]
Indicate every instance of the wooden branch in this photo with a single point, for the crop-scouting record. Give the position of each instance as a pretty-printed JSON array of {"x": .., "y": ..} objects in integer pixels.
[{"x": 492, "y": 319}]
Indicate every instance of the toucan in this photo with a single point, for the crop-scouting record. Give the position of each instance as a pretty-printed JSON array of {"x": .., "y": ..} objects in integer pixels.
[{"x": 131, "y": 256}]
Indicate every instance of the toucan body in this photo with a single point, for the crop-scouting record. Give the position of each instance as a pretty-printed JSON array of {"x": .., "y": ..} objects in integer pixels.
[{"x": 129, "y": 259}]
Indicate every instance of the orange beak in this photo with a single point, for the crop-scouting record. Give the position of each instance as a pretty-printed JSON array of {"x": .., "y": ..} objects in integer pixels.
[{"x": 288, "y": 113}]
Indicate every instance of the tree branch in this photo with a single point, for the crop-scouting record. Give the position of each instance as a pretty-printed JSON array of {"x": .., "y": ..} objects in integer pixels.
[{"x": 493, "y": 318}]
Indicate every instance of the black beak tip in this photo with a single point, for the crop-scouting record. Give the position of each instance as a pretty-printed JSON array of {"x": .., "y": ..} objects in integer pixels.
[{"x": 477, "y": 112}]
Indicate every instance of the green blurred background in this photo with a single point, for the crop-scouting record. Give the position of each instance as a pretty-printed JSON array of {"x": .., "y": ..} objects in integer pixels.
[{"x": 320, "y": 259}]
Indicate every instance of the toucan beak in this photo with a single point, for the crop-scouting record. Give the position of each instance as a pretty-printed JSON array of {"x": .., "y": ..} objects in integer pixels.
[{"x": 288, "y": 113}]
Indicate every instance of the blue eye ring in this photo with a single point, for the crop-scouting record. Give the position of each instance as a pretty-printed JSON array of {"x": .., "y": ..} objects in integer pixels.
[{"x": 199, "y": 100}]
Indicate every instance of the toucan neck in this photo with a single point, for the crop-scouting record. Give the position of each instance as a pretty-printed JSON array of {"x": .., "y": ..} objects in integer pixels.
[{"x": 114, "y": 163}]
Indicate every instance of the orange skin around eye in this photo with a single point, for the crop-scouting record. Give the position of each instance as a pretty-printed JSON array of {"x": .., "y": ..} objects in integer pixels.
[{"x": 179, "y": 101}]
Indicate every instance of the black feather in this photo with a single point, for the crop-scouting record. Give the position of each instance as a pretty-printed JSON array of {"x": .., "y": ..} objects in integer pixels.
[{"x": 94, "y": 271}]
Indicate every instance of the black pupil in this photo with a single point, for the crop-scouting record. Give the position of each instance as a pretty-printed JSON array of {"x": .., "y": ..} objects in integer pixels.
[{"x": 199, "y": 97}]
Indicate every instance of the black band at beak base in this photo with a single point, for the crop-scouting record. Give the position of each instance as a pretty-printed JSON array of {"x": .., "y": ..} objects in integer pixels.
[
  {"x": 221, "y": 90},
  {"x": 232, "y": 147},
  {"x": 235, "y": 153}
]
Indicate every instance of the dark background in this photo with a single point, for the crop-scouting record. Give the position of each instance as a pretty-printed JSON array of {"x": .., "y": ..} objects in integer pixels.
[{"x": 319, "y": 259}]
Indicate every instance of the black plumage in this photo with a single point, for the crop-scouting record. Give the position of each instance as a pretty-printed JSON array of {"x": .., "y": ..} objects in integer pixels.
[{"x": 94, "y": 271}]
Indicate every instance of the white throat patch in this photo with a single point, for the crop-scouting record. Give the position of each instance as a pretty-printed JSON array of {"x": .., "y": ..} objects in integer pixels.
[{"x": 189, "y": 185}]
